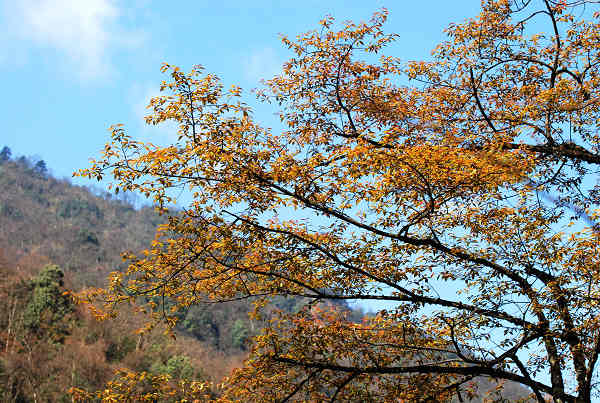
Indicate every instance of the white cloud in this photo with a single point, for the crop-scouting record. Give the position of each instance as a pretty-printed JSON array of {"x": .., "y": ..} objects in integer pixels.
[
  {"x": 83, "y": 33},
  {"x": 262, "y": 64},
  {"x": 139, "y": 98}
]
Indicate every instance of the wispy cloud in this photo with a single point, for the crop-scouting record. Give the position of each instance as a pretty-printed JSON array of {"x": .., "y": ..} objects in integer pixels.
[
  {"x": 261, "y": 64},
  {"x": 139, "y": 97},
  {"x": 82, "y": 33}
]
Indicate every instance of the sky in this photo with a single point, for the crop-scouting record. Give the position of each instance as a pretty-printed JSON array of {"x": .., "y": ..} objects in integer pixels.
[{"x": 72, "y": 68}]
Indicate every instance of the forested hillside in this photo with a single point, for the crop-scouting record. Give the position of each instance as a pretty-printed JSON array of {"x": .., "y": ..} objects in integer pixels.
[{"x": 56, "y": 237}]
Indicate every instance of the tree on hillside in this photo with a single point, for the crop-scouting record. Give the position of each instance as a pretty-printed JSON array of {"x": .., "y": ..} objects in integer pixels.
[
  {"x": 5, "y": 154},
  {"x": 48, "y": 310},
  {"x": 41, "y": 168},
  {"x": 462, "y": 189}
]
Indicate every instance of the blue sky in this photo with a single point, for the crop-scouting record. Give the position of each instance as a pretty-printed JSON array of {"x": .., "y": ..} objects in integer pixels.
[{"x": 72, "y": 68}]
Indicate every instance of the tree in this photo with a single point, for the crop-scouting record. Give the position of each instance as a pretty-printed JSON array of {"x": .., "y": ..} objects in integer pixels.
[
  {"x": 41, "y": 168},
  {"x": 239, "y": 334},
  {"x": 5, "y": 154},
  {"x": 47, "y": 312},
  {"x": 462, "y": 189}
]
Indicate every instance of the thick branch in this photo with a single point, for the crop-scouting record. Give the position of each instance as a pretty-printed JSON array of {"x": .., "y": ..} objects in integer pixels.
[
  {"x": 472, "y": 370},
  {"x": 564, "y": 150}
]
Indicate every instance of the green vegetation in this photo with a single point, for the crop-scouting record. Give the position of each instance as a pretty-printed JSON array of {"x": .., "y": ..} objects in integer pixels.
[
  {"x": 240, "y": 334},
  {"x": 177, "y": 367},
  {"x": 48, "y": 310}
]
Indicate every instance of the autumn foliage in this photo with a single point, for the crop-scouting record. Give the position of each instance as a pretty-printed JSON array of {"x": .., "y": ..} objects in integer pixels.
[{"x": 462, "y": 189}]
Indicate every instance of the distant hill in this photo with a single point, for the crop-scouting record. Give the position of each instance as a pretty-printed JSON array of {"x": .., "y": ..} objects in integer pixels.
[
  {"x": 46, "y": 221},
  {"x": 69, "y": 225},
  {"x": 54, "y": 236}
]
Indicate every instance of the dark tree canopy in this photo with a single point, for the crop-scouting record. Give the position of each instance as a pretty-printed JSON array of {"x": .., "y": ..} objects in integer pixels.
[
  {"x": 40, "y": 167},
  {"x": 5, "y": 154}
]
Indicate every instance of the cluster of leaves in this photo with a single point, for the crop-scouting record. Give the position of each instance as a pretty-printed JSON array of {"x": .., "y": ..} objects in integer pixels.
[{"x": 142, "y": 387}]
